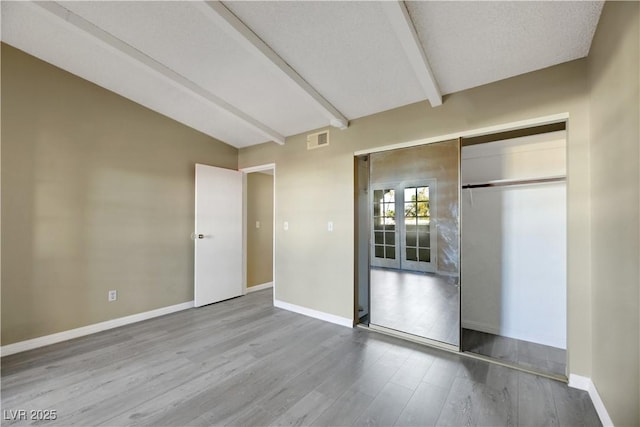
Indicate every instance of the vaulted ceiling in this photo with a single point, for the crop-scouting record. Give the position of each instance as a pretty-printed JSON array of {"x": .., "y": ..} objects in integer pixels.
[{"x": 249, "y": 72}]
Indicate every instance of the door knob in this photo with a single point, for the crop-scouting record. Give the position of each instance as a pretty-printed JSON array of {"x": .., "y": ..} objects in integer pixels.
[{"x": 200, "y": 236}]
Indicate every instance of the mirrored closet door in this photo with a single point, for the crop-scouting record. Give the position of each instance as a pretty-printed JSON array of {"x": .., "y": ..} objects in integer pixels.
[{"x": 413, "y": 197}]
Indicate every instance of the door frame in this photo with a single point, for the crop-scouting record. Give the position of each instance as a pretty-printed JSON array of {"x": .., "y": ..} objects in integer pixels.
[
  {"x": 245, "y": 172},
  {"x": 487, "y": 130}
]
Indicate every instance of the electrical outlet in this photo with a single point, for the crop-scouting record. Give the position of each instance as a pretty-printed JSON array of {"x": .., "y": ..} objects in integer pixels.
[
  {"x": 257, "y": 224},
  {"x": 113, "y": 295},
  {"x": 286, "y": 225},
  {"x": 330, "y": 226}
]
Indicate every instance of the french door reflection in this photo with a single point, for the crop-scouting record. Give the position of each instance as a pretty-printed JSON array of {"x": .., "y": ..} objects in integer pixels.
[
  {"x": 414, "y": 261},
  {"x": 416, "y": 238},
  {"x": 385, "y": 238}
]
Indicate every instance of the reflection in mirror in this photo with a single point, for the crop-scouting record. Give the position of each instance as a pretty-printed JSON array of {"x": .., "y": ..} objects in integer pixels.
[{"x": 414, "y": 266}]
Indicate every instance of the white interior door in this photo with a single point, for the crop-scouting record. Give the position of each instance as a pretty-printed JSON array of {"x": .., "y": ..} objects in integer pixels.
[{"x": 218, "y": 235}]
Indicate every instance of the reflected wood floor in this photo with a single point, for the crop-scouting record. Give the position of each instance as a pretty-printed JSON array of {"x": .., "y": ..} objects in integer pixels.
[
  {"x": 245, "y": 363},
  {"x": 422, "y": 304}
]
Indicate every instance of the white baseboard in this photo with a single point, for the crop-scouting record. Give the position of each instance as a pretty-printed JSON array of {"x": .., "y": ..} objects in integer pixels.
[
  {"x": 21, "y": 346},
  {"x": 259, "y": 287},
  {"x": 585, "y": 383},
  {"x": 332, "y": 318}
]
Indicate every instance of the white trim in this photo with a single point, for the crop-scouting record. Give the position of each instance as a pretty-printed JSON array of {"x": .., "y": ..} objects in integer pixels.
[
  {"x": 579, "y": 382},
  {"x": 259, "y": 287},
  {"x": 404, "y": 29},
  {"x": 21, "y": 346},
  {"x": 245, "y": 231},
  {"x": 273, "y": 264},
  {"x": 585, "y": 383},
  {"x": 245, "y": 171},
  {"x": 86, "y": 27},
  {"x": 259, "y": 168},
  {"x": 331, "y": 318},
  {"x": 522, "y": 124}
]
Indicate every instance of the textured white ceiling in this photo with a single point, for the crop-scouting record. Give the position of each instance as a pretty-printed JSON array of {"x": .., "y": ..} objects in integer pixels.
[
  {"x": 174, "y": 58},
  {"x": 472, "y": 43},
  {"x": 181, "y": 37},
  {"x": 345, "y": 49}
]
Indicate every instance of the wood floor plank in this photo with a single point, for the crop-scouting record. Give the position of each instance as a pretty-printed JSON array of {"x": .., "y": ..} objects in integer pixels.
[
  {"x": 471, "y": 403},
  {"x": 443, "y": 371},
  {"x": 424, "y": 407},
  {"x": 243, "y": 362},
  {"x": 94, "y": 389},
  {"x": 496, "y": 377},
  {"x": 106, "y": 400},
  {"x": 386, "y": 407},
  {"x": 574, "y": 407},
  {"x": 177, "y": 397},
  {"x": 219, "y": 403},
  {"x": 306, "y": 410},
  {"x": 535, "y": 401},
  {"x": 458, "y": 407},
  {"x": 351, "y": 370},
  {"x": 413, "y": 370},
  {"x": 345, "y": 410},
  {"x": 377, "y": 376},
  {"x": 269, "y": 407}
]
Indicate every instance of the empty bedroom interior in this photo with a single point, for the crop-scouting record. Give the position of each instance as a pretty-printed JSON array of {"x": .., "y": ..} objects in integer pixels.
[{"x": 97, "y": 193}]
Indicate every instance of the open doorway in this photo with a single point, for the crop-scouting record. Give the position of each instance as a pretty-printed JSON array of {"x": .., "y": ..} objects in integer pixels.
[{"x": 259, "y": 214}]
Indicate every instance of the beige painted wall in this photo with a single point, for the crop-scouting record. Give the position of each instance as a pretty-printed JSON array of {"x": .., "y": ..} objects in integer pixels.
[
  {"x": 97, "y": 194},
  {"x": 315, "y": 268},
  {"x": 614, "y": 75},
  {"x": 259, "y": 240}
]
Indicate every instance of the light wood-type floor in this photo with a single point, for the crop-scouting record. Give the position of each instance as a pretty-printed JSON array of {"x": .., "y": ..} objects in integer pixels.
[
  {"x": 245, "y": 363},
  {"x": 422, "y": 304}
]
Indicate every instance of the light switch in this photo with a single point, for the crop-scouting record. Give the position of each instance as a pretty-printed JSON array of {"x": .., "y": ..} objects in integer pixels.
[
  {"x": 330, "y": 226},
  {"x": 257, "y": 224},
  {"x": 286, "y": 225}
]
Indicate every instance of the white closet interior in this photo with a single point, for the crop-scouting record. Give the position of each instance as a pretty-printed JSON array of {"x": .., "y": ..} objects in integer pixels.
[{"x": 513, "y": 238}]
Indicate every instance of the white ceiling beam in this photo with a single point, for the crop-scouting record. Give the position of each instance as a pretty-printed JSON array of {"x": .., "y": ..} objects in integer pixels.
[
  {"x": 406, "y": 32},
  {"x": 175, "y": 78},
  {"x": 225, "y": 19}
]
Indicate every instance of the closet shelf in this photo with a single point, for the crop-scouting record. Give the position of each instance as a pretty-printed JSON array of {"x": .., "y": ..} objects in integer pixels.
[{"x": 509, "y": 182}]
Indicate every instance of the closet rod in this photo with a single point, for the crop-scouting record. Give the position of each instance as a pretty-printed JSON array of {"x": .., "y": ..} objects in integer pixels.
[{"x": 515, "y": 182}]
